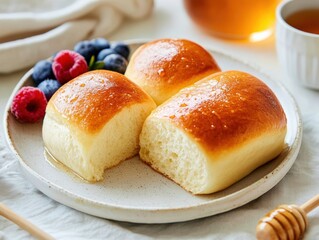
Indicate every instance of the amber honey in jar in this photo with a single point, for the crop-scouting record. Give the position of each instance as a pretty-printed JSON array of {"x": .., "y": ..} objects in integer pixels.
[
  {"x": 306, "y": 20},
  {"x": 234, "y": 19}
]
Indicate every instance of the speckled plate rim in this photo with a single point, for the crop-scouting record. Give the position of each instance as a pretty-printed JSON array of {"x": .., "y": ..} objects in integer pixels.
[{"x": 161, "y": 215}]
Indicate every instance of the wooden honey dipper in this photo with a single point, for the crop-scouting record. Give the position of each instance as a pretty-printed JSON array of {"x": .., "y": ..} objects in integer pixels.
[
  {"x": 287, "y": 222},
  {"x": 23, "y": 223}
]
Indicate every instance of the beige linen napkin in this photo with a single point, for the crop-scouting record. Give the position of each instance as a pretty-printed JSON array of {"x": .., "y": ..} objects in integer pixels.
[{"x": 32, "y": 30}]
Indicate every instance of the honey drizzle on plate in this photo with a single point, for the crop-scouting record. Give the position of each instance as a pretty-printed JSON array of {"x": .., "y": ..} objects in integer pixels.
[{"x": 62, "y": 167}]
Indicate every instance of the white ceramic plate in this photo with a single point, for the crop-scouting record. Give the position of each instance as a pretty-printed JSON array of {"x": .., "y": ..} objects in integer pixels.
[{"x": 132, "y": 191}]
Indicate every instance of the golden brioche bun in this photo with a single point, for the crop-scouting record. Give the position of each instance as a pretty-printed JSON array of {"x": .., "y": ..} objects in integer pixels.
[
  {"x": 163, "y": 67},
  {"x": 215, "y": 132},
  {"x": 93, "y": 122}
]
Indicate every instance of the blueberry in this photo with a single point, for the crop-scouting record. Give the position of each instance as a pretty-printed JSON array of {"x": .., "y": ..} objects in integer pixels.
[
  {"x": 86, "y": 49},
  {"x": 100, "y": 44},
  {"x": 49, "y": 87},
  {"x": 121, "y": 48},
  {"x": 104, "y": 53},
  {"x": 41, "y": 71},
  {"x": 115, "y": 62}
]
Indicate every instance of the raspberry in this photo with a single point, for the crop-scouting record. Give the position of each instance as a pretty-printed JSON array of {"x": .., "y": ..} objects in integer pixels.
[
  {"x": 49, "y": 87},
  {"x": 41, "y": 71},
  {"x": 68, "y": 65},
  {"x": 29, "y": 105}
]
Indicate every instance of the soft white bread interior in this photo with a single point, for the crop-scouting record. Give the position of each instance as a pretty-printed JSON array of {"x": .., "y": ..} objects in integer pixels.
[
  {"x": 215, "y": 132},
  {"x": 93, "y": 122},
  {"x": 163, "y": 67}
]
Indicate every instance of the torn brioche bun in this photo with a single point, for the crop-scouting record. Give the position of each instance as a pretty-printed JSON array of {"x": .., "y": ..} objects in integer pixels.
[
  {"x": 93, "y": 122},
  {"x": 215, "y": 132}
]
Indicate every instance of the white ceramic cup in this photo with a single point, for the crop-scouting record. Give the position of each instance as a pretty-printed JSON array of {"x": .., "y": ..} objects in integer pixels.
[{"x": 298, "y": 51}]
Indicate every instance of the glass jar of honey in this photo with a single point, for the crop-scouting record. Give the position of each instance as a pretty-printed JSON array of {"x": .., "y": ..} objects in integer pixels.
[{"x": 234, "y": 19}]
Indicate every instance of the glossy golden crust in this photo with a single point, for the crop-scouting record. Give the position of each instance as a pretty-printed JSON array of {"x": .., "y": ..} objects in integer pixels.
[
  {"x": 93, "y": 98},
  {"x": 164, "y": 66},
  {"x": 225, "y": 110}
]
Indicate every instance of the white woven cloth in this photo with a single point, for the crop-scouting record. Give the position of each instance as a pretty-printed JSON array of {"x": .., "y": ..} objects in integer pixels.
[{"x": 34, "y": 29}]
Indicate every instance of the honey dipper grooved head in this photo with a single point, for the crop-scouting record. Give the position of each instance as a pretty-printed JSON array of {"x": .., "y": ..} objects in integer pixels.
[{"x": 284, "y": 222}]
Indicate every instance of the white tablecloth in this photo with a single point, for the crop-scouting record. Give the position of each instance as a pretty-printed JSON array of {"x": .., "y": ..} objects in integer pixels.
[{"x": 300, "y": 184}]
